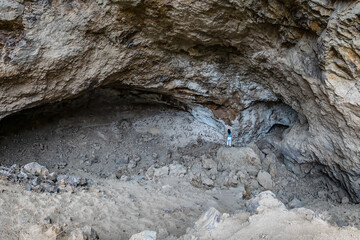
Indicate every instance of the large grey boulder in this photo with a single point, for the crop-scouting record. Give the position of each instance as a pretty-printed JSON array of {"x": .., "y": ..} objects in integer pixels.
[
  {"x": 264, "y": 179},
  {"x": 241, "y": 158}
]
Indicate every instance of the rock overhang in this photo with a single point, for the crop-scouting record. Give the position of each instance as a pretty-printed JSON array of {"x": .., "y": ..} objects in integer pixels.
[{"x": 222, "y": 55}]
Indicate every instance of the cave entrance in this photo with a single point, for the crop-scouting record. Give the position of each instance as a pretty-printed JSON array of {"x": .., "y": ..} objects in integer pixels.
[
  {"x": 129, "y": 138},
  {"x": 106, "y": 128},
  {"x": 102, "y": 130}
]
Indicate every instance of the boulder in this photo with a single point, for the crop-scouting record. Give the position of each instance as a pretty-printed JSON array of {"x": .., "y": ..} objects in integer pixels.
[
  {"x": 243, "y": 158},
  {"x": 36, "y": 169},
  {"x": 265, "y": 201},
  {"x": 264, "y": 179},
  {"x": 144, "y": 235},
  {"x": 177, "y": 169},
  {"x": 208, "y": 163},
  {"x": 295, "y": 203},
  {"x": 208, "y": 220},
  {"x": 206, "y": 180},
  {"x": 150, "y": 172},
  {"x": 160, "y": 172}
]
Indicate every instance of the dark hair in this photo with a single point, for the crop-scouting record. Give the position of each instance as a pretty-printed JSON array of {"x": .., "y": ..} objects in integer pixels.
[{"x": 229, "y": 131}]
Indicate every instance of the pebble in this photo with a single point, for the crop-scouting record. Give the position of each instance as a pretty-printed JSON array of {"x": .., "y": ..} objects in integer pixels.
[
  {"x": 207, "y": 181},
  {"x": 35, "y": 169},
  {"x": 47, "y": 220},
  {"x": 61, "y": 165},
  {"x": 137, "y": 158},
  {"x": 345, "y": 200},
  {"x": 132, "y": 164},
  {"x": 295, "y": 203},
  {"x": 342, "y": 223}
]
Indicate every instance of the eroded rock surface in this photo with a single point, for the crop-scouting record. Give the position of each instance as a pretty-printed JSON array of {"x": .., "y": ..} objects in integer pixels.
[
  {"x": 265, "y": 208},
  {"x": 240, "y": 59}
]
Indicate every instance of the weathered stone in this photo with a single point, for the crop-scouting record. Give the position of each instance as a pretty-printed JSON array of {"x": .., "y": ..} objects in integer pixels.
[
  {"x": 10, "y": 10},
  {"x": 22, "y": 175},
  {"x": 41, "y": 232},
  {"x": 61, "y": 178},
  {"x": 47, "y": 220},
  {"x": 46, "y": 187},
  {"x": 160, "y": 172},
  {"x": 61, "y": 165},
  {"x": 208, "y": 163},
  {"x": 36, "y": 169},
  {"x": 268, "y": 160},
  {"x": 264, "y": 179},
  {"x": 207, "y": 181},
  {"x": 177, "y": 170},
  {"x": 124, "y": 178},
  {"x": 46, "y": 231},
  {"x": 144, "y": 235},
  {"x": 89, "y": 233},
  {"x": 150, "y": 172},
  {"x": 264, "y": 201},
  {"x": 345, "y": 200},
  {"x": 273, "y": 170},
  {"x": 208, "y": 220},
  {"x": 295, "y": 203},
  {"x": 254, "y": 147},
  {"x": 342, "y": 223},
  {"x": 73, "y": 181},
  {"x": 52, "y": 176},
  {"x": 132, "y": 164},
  {"x": 232, "y": 180},
  {"x": 243, "y": 158},
  {"x": 137, "y": 158},
  {"x": 35, "y": 181}
]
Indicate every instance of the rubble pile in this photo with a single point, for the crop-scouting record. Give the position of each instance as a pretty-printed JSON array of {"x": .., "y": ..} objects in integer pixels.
[
  {"x": 43, "y": 231},
  {"x": 37, "y": 178}
]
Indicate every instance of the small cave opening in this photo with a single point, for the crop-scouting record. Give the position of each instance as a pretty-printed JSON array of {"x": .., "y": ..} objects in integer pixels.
[
  {"x": 261, "y": 119},
  {"x": 277, "y": 129}
]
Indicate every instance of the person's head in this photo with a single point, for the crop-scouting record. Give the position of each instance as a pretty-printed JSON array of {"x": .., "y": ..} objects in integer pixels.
[{"x": 229, "y": 131}]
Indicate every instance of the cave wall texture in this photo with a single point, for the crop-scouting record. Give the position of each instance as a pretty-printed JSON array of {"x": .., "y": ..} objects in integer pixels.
[{"x": 229, "y": 56}]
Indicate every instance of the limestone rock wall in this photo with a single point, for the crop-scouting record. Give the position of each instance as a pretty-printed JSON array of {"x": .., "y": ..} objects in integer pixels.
[{"x": 225, "y": 55}]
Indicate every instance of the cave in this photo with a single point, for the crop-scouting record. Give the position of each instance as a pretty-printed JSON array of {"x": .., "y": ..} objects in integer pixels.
[
  {"x": 125, "y": 135},
  {"x": 106, "y": 124},
  {"x": 143, "y": 119}
]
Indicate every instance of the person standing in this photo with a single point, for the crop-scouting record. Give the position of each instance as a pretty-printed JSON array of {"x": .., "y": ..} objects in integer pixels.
[{"x": 228, "y": 143}]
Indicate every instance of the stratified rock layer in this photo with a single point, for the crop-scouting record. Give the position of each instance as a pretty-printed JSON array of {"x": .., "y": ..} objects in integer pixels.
[{"x": 237, "y": 58}]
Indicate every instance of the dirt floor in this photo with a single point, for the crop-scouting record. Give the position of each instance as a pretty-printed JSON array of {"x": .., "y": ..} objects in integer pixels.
[{"x": 154, "y": 167}]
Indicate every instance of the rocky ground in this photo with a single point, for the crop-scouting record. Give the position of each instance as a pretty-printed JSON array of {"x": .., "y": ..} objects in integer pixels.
[{"x": 110, "y": 171}]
